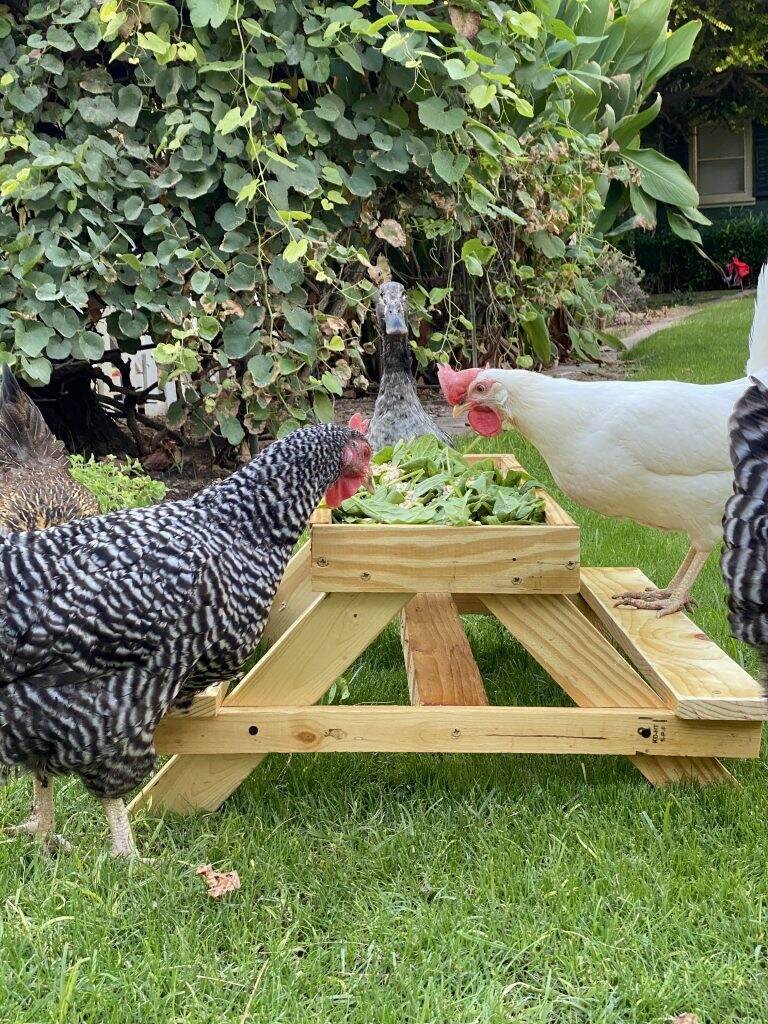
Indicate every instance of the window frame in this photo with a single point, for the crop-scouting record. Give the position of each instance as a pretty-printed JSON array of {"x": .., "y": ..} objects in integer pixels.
[{"x": 745, "y": 198}]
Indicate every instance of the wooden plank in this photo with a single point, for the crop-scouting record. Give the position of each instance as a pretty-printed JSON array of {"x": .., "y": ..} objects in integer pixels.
[
  {"x": 322, "y": 514},
  {"x": 592, "y": 672},
  {"x": 501, "y": 730},
  {"x": 438, "y": 659},
  {"x": 445, "y": 559},
  {"x": 320, "y": 645},
  {"x": 205, "y": 705},
  {"x": 292, "y": 598},
  {"x": 692, "y": 674},
  {"x": 471, "y": 604}
]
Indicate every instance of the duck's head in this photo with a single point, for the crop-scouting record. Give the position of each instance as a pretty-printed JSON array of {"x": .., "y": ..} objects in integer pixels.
[{"x": 392, "y": 310}]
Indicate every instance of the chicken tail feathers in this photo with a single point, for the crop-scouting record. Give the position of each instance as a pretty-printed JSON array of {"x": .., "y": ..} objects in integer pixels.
[
  {"x": 744, "y": 562},
  {"x": 758, "y": 335},
  {"x": 24, "y": 436}
]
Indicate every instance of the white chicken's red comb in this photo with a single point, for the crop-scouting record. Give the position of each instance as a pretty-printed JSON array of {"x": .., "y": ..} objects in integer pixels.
[{"x": 359, "y": 423}]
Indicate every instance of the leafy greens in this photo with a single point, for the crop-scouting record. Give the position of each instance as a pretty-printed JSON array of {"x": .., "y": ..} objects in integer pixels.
[{"x": 425, "y": 482}]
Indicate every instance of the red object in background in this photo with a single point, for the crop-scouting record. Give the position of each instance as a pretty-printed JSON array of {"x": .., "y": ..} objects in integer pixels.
[{"x": 736, "y": 272}]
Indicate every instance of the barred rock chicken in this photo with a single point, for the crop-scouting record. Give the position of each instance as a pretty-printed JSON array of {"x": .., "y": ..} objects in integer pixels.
[
  {"x": 398, "y": 414},
  {"x": 744, "y": 561},
  {"x": 652, "y": 451},
  {"x": 107, "y": 622},
  {"x": 36, "y": 489}
]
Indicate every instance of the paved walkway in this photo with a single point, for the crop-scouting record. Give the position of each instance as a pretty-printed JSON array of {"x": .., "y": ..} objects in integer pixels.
[{"x": 676, "y": 314}]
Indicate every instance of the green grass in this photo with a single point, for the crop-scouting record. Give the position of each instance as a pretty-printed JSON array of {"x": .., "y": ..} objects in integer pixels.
[{"x": 434, "y": 889}]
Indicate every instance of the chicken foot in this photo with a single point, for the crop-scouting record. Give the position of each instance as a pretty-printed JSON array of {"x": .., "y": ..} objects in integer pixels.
[
  {"x": 120, "y": 832},
  {"x": 674, "y": 598},
  {"x": 41, "y": 822}
]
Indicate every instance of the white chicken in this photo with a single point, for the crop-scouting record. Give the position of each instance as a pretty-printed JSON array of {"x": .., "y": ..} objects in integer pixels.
[{"x": 656, "y": 452}]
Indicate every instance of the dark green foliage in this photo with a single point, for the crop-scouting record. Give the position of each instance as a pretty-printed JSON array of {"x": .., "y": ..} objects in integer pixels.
[
  {"x": 231, "y": 180},
  {"x": 671, "y": 265}
]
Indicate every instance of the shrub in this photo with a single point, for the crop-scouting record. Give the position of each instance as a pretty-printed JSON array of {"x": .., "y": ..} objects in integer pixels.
[
  {"x": 624, "y": 290},
  {"x": 671, "y": 265},
  {"x": 230, "y": 180},
  {"x": 117, "y": 485}
]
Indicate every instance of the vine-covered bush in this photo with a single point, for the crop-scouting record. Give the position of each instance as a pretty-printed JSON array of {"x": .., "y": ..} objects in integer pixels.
[
  {"x": 671, "y": 265},
  {"x": 231, "y": 178}
]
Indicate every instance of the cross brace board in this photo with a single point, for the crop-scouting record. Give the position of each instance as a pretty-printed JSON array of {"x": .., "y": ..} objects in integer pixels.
[{"x": 656, "y": 690}]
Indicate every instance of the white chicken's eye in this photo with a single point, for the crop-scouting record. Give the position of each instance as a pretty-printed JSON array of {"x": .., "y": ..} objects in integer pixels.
[{"x": 480, "y": 387}]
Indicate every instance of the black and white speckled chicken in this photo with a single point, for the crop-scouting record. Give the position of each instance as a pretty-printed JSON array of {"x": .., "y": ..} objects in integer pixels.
[
  {"x": 36, "y": 490},
  {"x": 105, "y": 623},
  {"x": 744, "y": 561},
  {"x": 398, "y": 414}
]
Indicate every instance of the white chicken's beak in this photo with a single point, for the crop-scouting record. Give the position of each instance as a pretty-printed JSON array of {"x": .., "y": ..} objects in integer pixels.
[{"x": 459, "y": 410}]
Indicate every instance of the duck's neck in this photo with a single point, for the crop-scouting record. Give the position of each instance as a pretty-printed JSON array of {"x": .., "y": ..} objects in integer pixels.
[{"x": 395, "y": 355}]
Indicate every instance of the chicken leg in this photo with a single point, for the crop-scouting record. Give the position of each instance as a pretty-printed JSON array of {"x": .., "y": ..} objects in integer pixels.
[
  {"x": 674, "y": 598},
  {"x": 120, "y": 832},
  {"x": 41, "y": 822}
]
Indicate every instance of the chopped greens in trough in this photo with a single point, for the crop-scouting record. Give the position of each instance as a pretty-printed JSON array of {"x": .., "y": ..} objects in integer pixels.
[{"x": 425, "y": 482}]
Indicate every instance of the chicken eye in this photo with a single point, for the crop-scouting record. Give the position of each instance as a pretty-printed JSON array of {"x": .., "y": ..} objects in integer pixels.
[{"x": 480, "y": 388}]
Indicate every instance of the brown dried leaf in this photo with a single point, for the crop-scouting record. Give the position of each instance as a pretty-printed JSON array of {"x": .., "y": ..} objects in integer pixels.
[
  {"x": 229, "y": 306},
  {"x": 333, "y": 325},
  {"x": 466, "y": 23},
  {"x": 684, "y": 1018},
  {"x": 219, "y": 882},
  {"x": 382, "y": 272},
  {"x": 391, "y": 232}
]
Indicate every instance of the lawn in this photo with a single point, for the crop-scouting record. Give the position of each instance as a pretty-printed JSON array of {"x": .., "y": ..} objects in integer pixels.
[{"x": 431, "y": 889}]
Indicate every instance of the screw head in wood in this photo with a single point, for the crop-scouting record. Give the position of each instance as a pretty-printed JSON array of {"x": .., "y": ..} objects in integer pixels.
[
  {"x": 322, "y": 562},
  {"x": 365, "y": 576},
  {"x": 455, "y": 733},
  {"x": 516, "y": 581},
  {"x": 571, "y": 564}
]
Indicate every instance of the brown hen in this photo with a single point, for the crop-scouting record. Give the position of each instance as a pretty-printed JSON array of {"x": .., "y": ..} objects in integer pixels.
[{"x": 36, "y": 489}]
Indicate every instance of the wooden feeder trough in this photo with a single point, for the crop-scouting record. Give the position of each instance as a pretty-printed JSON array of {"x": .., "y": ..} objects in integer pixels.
[{"x": 658, "y": 690}]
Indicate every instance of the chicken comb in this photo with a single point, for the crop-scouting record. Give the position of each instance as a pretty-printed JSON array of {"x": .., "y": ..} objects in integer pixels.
[
  {"x": 357, "y": 422},
  {"x": 454, "y": 383}
]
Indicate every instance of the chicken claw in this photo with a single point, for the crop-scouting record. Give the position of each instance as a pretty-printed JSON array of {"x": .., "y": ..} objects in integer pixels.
[
  {"x": 40, "y": 823},
  {"x": 665, "y": 602}
]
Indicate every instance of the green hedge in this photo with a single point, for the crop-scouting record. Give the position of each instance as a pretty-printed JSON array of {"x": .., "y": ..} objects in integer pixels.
[{"x": 672, "y": 264}]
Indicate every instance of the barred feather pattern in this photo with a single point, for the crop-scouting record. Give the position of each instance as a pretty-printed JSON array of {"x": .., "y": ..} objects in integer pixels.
[
  {"x": 36, "y": 490},
  {"x": 107, "y": 622},
  {"x": 744, "y": 561}
]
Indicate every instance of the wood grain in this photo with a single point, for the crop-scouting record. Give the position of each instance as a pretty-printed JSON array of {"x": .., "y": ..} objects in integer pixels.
[
  {"x": 439, "y": 662},
  {"x": 292, "y": 598},
  {"x": 298, "y": 669},
  {"x": 445, "y": 559},
  {"x": 647, "y": 731},
  {"x": 593, "y": 673},
  {"x": 689, "y": 670}
]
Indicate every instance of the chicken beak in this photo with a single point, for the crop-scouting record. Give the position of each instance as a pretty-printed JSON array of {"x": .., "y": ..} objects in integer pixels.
[{"x": 459, "y": 410}]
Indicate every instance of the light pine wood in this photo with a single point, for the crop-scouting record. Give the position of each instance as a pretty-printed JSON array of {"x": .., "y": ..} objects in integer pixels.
[
  {"x": 651, "y": 732},
  {"x": 592, "y": 672},
  {"x": 439, "y": 663},
  {"x": 320, "y": 645},
  {"x": 322, "y": 514},
  {"x": 293, "y": 596},
  {"x": 693, "y": 675},
  {"x": 440, "y": 559},
  {"x": 205, "y": 705}
]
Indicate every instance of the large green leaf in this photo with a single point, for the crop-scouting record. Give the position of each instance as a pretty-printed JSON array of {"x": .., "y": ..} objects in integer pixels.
[
  {"x": 629, "y": 127},
  {"x": 677, "y": 51},
  {"x": 683, "y": 228},
  {"x": 662, "y": 178},
  {"x": 537, "y": 333}
]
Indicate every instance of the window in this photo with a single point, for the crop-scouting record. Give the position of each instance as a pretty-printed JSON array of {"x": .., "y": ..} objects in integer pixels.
[{"x": 722, "y": 161}]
